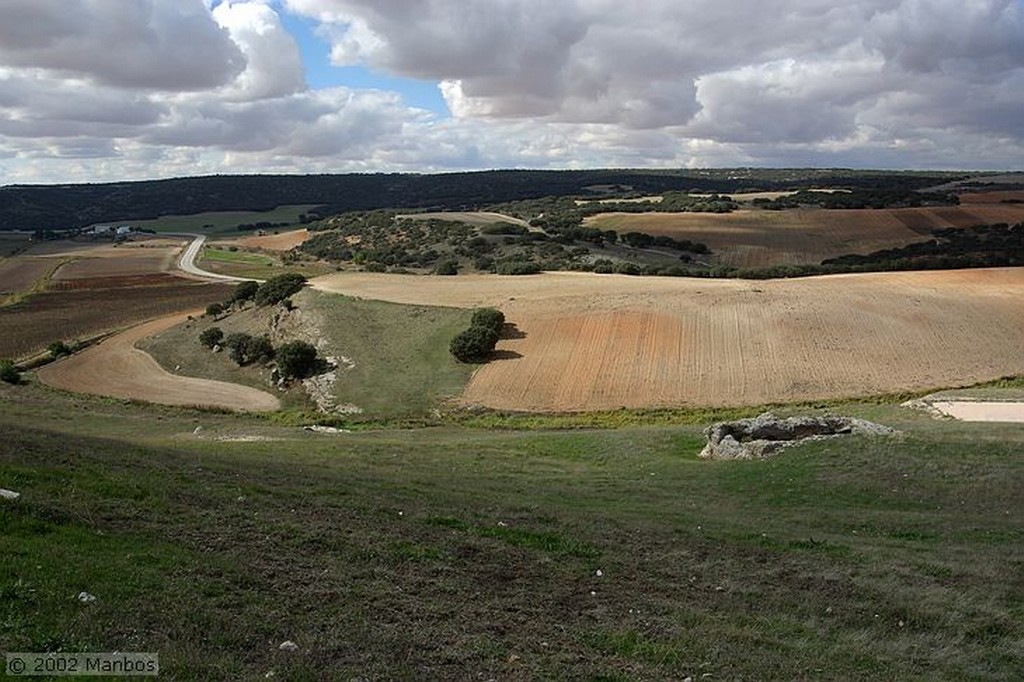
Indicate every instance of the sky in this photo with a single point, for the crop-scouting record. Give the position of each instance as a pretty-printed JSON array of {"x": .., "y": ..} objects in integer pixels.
[{"x": 109, "y": 90}]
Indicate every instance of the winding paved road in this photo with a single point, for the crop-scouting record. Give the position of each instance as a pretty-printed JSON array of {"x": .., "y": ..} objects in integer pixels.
[{"x": 187, "y": 260}]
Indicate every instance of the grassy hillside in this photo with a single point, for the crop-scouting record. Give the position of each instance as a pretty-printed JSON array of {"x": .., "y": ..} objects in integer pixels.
[
  {"x": 393, "y": 360},
  {"x": 455, "y": 553}
]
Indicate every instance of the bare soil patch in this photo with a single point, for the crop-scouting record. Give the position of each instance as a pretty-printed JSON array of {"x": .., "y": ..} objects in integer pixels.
[
  {"x": 285, "y": 241},
  {"x": 973, "y": 411},
  {"x": 591, "y": 342},
  {"x": 116, "y": 368},
  {"x": 21, "y": 273}
]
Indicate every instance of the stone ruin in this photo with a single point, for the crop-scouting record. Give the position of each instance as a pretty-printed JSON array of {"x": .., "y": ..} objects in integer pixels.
[{"x": 766, "y": 434}]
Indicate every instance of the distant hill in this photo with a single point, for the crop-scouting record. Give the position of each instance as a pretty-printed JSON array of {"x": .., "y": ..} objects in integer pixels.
[{"x": 57, "y": 207}]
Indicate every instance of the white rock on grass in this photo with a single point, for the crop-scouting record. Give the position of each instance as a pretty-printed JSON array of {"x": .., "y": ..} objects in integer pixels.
[
  {"x": 766, "y": 434},
  {"x": 8, "y": 494},
  {"x": 85, "y": 597},
  {"x": 288, "y": 645}
]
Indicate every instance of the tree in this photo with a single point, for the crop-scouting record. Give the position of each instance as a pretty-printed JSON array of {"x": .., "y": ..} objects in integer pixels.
[
  {"x": 245, "y": 291},
  {"x": 236, "y": 343},
  {"x": 214, "y": 309},
  {"x": 9, "y": 372},
  {"x": 259, "y": 349},
  {"x": 473, "y": 344},
  {"x": 297, "y": 360},
  {"x": 58, "y": 349},
  {"x": 278, "y": 288},
  {"x": 491, "y": 318},
  {"x": 211, "y": 337}
]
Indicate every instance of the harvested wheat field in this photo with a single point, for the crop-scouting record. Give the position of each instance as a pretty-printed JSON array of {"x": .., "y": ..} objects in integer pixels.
[
  {"x": 590, "y": 342},
  {"x": 285, "y": 241},
  {"x": 757, "y": 238},
  {"x": 116, "y": 368}
]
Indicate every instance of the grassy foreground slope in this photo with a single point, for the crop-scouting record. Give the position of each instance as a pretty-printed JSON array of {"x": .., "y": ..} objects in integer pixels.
[{"x": 455, "y": 553}]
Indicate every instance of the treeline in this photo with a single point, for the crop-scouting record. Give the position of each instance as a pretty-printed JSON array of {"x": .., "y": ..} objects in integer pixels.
[
  {"x": 61, "y": 207},
  {"x": 859, "y": 198},
  {"x": 380, "y": 241}
]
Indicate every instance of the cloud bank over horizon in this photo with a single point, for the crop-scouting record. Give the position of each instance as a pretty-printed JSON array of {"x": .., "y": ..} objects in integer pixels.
[{"x": 98, "y": 90}]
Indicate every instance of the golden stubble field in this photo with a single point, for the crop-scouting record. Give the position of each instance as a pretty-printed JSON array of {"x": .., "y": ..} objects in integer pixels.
[
  {"x": 753, "y": 238},
  {"x": 591, "y": 342}
]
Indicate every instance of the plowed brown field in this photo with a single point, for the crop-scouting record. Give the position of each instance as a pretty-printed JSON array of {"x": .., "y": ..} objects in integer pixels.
[
  {"x": 116, "y": 368},
  {"x": 757, "y": 238},
  {"x": 20, "y": 273},
  {"x": 33, "y": 324},
  {"x": 602, "y": 342}
]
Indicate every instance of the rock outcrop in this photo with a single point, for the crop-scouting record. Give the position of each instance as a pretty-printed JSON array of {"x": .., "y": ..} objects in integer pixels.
[{"x": 766, "y": 434}]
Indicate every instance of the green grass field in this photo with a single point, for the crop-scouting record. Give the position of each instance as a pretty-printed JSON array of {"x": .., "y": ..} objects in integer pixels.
[
  {"x": 459, "y": 553},
  {"x": 240, "y": 263},
  {"x": 221, "y": 223}
]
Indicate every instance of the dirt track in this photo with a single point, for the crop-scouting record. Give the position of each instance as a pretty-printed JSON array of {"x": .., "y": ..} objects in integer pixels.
[
  {"x": 603, "y": 341},
  {"x": 116, "y": 368}
]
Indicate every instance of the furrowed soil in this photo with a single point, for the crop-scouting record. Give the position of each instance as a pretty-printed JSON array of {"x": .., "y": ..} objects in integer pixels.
[
  {"x": 77, "y": 313},
  {"x": 593, "y": 342}
]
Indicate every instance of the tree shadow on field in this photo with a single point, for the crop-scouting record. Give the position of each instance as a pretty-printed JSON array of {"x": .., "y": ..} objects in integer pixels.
[
  {"x": 509, "y": 330},
  {"x": 503, "y": 355}
]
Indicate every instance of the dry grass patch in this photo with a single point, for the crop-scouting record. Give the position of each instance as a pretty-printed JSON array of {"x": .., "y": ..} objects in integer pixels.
[{"x": 285, "y": 241}]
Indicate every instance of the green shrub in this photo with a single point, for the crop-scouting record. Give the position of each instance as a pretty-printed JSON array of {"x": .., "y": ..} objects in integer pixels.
[
  {"x": 211, "y": 337},
  {"x": 447, "y": 267},
  {"x": 214, "y": 309},
  {"x": 491, "y": 318},
  {"x": 473, "y": 344},
  {"x": 259, "y": 349},
  {"x": 58, "y": 349},
  {"x": 246, "y": 349},
  {"x": 236, "y": 343},
  {"x": 245, "y": 291},
  {"x": 278, "y": 288},
  {"x": 297, "y": 360},
  {"x": 9, "y": 372},
  {"x": 518, "y": 268}
]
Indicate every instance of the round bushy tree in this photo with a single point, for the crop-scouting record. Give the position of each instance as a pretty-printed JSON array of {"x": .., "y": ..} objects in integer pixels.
[
  {"x": 244, "y": 291},
  {"x": 473, "y": 344},
  {"x": 259, "y": 349},
  {"x": 491, "y": 318},
  {"x": 237, "y": 343},
  {"x": 297, "y": 359},
  {"x": 211, "y": 337},
  {"x": 214, "y": 309}
]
